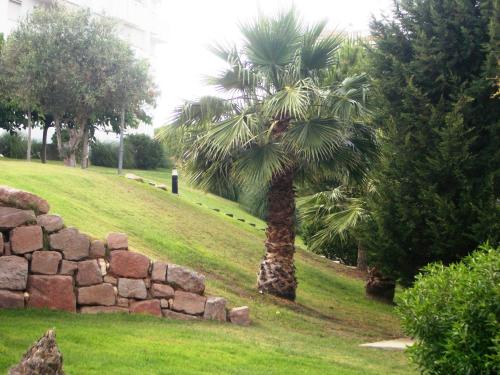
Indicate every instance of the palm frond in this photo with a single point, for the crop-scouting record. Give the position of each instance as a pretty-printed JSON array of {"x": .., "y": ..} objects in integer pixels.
[
  {"x": 348, "y": 218},
  {"x": 204, "y": 110},
  {"x": 319, "y": 51},
  {"x": 258, "y": 165},
  {"x": 272, "y": 44},
  {"x": 349, "y": 58},
  {"x": 346, "y": 166},
  {"x": 348, "y": 100},
  {"x": 316, "y": 139},
  {"x": 234, "y": 79},
  {"x": 239, "y": 76},
  {"x": 208, "y": 174},
  {"x": 291, "y": 102},
  {"x": 231, "y": 134},
  {"x": 224, "y": 52},
  {"x": 335, "y": 212}
]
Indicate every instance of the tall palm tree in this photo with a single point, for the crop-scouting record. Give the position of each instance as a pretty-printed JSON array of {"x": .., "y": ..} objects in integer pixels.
[{"x": 276, "y": 125}]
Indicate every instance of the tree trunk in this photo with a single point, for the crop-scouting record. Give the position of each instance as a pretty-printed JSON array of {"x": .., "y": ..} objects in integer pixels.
[
  {"x": 76, "y": 135},
  {"x": 277, "y": 270},
  {"x": 57, "y": 125},
  {"x": 85, "y": 148},
  {"x": 120, "y": 150},
  {"x": 44, "y": 142},
  {"x": 28, "y": 150},
  {"x": 379, "y": 286},
  {"x": 71, "y": 160},
  {"x": 362, "y": 261}
]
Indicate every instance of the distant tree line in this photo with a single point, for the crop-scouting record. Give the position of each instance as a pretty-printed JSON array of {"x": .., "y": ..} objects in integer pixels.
[{"x": 68, "y": 70}]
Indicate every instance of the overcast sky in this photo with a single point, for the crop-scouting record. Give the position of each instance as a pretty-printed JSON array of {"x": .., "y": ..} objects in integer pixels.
[{"x": 192, "y": 25}]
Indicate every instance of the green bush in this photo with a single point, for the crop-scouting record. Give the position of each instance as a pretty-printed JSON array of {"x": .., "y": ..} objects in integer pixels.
[
  {"x": 105, "y": 154},
  {"x": 15, "y": 146},
  {"x": 453, "y": 313},
  {"x": 147, "y": 152},
  {"x": 140, "y": 151}
]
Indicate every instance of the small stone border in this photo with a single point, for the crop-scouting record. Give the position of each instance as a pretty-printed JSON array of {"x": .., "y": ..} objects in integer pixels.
[
  {"x": 134, "y": 177},
  {"x": 396, "y": 344}
]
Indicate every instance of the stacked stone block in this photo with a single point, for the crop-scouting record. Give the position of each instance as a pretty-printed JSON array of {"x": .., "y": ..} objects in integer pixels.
[{"x": 44, "y": 264}]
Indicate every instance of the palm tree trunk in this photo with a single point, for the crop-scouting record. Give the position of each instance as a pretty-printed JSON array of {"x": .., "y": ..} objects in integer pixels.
[
  {"x": 277, "y": 270},
  {"x": 362, "y": 264}
]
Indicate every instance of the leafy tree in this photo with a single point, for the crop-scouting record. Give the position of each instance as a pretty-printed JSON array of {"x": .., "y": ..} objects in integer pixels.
[
  {"x": 276, "y": 126},
  {"x": 134, "y": 89},
  {"x": 30, "y": 50},
  {"x": 81, "y": 87},
  {"x": 12, "y": 115},
  {"x": 129, "y": 89},
  {"x": 437, "y": 182}
]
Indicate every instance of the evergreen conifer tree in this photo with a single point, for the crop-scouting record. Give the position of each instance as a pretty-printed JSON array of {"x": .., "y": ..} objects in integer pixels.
[{"x": 434, "y": 64}]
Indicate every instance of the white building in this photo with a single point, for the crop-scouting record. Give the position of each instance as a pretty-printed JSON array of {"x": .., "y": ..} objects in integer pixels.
[{"x": 139, "y": 21}]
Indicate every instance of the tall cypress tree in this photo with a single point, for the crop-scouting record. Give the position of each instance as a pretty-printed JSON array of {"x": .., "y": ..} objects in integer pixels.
[{"x": 438, "y": 182}]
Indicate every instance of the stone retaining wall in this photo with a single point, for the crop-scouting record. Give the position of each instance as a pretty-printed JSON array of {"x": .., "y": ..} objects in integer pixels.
[{"x": 44, "y": 264}]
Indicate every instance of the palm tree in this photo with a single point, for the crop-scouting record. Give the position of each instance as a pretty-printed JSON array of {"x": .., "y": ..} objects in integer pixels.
[
  {"x": 337, "y": 214},
  {"x": 276, "y": 125}
]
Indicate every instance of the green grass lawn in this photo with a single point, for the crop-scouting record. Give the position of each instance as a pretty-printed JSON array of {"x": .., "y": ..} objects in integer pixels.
[{"x": 319, "y": 334}]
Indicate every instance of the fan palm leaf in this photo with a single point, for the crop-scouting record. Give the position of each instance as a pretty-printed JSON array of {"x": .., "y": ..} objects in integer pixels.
[
  {"x": 259, "y": 164},
  {"x": 319, "y": 51}
]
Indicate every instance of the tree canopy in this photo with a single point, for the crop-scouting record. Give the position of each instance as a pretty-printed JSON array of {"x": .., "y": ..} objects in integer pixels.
[
  {"x": 73, "y": 66},
  {"x": 11, "y": 114}
]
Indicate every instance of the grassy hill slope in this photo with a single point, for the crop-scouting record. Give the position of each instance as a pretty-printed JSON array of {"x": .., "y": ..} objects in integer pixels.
[{"x": 319, "y": 334}]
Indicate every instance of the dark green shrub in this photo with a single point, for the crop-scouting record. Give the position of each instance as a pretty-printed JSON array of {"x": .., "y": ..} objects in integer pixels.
[
  {"x": 140, "y": 151},
  {"x": 14, "y": 146},
  {"x": 453, "y": 313},
  {"x": 147, "y": 152},
  {"x": 105, "y": 154}
]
